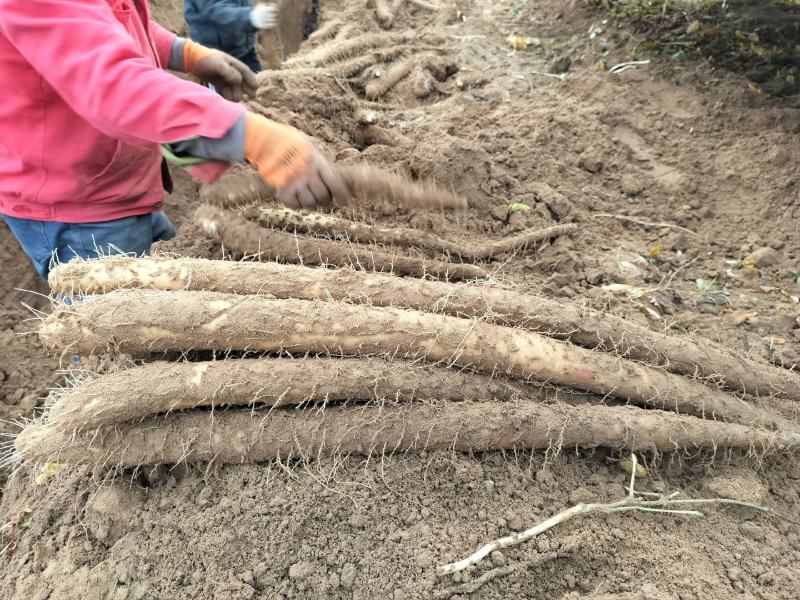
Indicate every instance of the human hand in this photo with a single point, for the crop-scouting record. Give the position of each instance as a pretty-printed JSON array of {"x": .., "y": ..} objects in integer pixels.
[
  {"x": 230, "y": 76},
  {"x": 263, "y": 16},
  {"x": 287, "y": 161}
]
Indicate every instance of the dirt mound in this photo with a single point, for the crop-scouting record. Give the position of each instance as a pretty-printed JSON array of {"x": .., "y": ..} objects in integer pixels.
[{"x": 675, "y": 176}]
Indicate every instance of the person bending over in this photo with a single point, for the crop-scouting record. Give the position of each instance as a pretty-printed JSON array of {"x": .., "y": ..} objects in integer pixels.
[{"x": 87, "y": 110}]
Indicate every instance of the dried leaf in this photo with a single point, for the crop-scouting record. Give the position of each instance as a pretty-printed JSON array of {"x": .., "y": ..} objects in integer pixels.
[
  {"x": 655, "y": 251},
  {"x": 693, "y": 27}
]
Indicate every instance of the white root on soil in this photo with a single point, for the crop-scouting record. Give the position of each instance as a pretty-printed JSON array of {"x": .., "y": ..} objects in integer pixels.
[
  {"x": 555, "y": 318},
  {"x": 331, "y": 225},
  {"x": 249, "y": 239},
  {"x": 140, "y": 322},
  {"x": 237, "y": 436},
  {"x": 634, "y": 501},
  {"x": 161, "y": 387}
]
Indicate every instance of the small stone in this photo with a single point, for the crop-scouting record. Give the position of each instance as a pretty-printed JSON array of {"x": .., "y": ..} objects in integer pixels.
[
  {"x": 631, "y": 186},
  {"x": 247, "y": 577},
  {"x": 334, "y": 582},
  {"x": 488, "y": 484},
  {"x": 764, "y": 257},
  {"x": 590, "y": 163},
  {"x": 399, "y": 594},
  {"x": 482, "y": 516},
  {"x": 560, "y": 64},
  {"x": 752, "y": 531},
  {"x": 617, "y": 533},
  {"x": 425, "y": 513},
  {"x": 545, "y": 477},
  {"x": 348, "y": 576},
  {"x": 300, "y": 570},
  {"x": 498, "y": 558},
  {"x": 15, "y": 397}
]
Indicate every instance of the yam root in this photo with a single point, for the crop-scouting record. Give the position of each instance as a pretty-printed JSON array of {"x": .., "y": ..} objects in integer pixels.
[
  {"x": 236, "y": 190},
  {"x": 339, "y": 50},
  {"x": 238, "y": 436},
  {"x": 246, "y": 238},
  {"x": 380, "y": 86},
  {"x": 363, "y": 182},
  {"x": 139, "y": 322},
  {"x": 556, "y": 318},
  {"x": 162, "y": 387},
  {"x": 326, "y": 224},
  {"x": 384, "y": 12}
]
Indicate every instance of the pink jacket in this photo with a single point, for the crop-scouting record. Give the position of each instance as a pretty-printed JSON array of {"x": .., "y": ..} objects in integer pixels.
[{"x": 84, "y": 103}]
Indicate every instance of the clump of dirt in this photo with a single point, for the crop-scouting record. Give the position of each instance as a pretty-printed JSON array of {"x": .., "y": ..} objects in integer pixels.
[{"x": 676, "y": 176}]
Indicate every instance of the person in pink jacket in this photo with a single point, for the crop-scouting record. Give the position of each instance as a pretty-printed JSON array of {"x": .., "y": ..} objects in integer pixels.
[{"x": 87, "y": 107}]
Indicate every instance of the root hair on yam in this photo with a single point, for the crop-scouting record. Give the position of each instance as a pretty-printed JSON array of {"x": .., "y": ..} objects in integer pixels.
[
  {"x": 364, "y": 183},
  {"x": 560, "y": 319},
  {"x": 141, "y": 322},
  {"x": 237, "y": 436},
  {"x": 331, "y": 225},
  {"x": 249, "y": 239},
  {"x": 162, "y": 387}
]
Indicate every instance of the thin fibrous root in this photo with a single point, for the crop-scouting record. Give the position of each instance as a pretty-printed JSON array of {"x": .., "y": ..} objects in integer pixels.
[
  {"x": 367, "y": 182},
  {"x": 236, "y": 190},
  {"x": 364, "y": 183},
  {"x": 240, "y": 235},
  {"x": 330, "y": 225},
  {"x": 635, "y": 501},
  {"x": 140, "y": 322},
  {"x": 380, "y": 86},
  {"x": 237, "y": 436},
  {"x": 556, "y": 318},
  {"x": 161, "y": 387}
]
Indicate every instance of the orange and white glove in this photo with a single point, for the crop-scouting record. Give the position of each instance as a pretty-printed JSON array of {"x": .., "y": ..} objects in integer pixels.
[
  {"x": 288, "y": 162},
  {"x": 230, "y": 76}
]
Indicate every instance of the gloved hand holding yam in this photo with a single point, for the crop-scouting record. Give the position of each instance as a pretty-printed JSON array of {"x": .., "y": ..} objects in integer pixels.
[{"x": 287, "y": 161}]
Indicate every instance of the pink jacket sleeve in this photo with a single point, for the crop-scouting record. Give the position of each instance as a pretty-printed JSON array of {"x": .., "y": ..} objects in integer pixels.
[
  {"x": 163, "y": 40},
  {"x": 83, "y": 51}
]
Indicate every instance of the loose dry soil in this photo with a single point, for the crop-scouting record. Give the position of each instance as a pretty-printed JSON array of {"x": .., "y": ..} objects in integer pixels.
[{"x": 667, "y": 142}]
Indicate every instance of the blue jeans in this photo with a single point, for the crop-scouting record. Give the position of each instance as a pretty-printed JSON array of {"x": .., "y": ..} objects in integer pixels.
[{"x": 48, "y": 243}]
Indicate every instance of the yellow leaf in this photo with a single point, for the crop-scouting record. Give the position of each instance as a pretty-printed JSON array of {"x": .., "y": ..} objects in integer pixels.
[
  {"x": 602, "y": 65},
  {"x": 749, "y": 263},
  {"x": 517, "y": 207},
  {"x": 627, "y": 465},
  {"x": 516, "y": 42},
  {"x": 754, "y": 89},
  {"x": 655, "y": 251},
  {"x": 694, "y": 26},
  {"x": 47, "y": 471}
]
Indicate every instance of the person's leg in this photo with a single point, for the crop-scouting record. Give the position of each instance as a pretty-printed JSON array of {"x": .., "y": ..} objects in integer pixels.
[
  {"x": 48, "y": 243},
  {"x": 34, "y": 238}
]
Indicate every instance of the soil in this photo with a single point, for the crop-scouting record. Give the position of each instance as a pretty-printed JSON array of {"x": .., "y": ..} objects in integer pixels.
[{"x": 681, "y": 145}]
